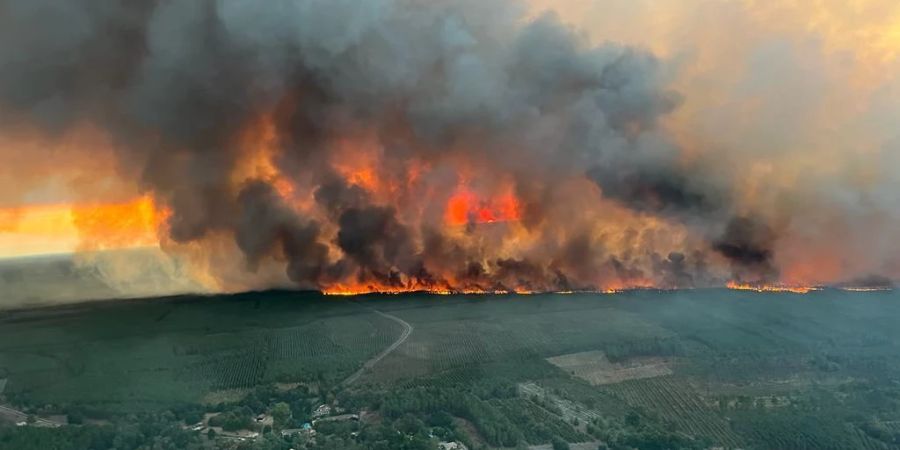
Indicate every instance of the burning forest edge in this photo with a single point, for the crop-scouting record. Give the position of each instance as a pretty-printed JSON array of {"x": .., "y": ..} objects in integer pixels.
[
  {"x": 759, "y": 288},
  {"x": 447, "y": 147}
]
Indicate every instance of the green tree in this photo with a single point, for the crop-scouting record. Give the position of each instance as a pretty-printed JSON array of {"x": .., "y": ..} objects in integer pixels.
[
  {"x": 281, "y": 414},
  {"x": 559, "y": 444},
  {"x": 193, "y": 417},
  {"x": 441, "y": 419},
  {"x": 633, "y": 419},
  {"x": 76, "y": 418},
  {"x": 409, "y": 424}
]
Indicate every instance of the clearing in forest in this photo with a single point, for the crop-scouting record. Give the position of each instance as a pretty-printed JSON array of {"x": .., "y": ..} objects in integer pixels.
[{"x": 595, "y": 368}]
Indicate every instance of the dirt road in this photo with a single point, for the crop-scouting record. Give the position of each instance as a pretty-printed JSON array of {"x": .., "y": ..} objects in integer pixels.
[
  {"x": 407, "y": 330},
  {"x": 14, "y": 415}
]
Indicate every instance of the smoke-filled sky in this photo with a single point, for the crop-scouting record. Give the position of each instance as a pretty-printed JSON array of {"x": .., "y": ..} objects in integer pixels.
[{"x": 489, "y": 145}]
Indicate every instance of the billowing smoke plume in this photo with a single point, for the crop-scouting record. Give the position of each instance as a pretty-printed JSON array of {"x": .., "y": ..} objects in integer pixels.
[{"x": 388, "y": 144}]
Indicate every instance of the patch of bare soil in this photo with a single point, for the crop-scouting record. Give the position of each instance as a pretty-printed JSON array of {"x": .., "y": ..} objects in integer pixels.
[
  {"x": 224, "y": 396},
  {"x": 11, "y": 416},
  {"x": 595, "y": 368},
  {"x": 286, "y": 386},
  {"x": 472, "y": 432}
]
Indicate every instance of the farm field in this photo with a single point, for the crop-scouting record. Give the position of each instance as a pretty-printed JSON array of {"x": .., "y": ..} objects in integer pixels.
[
  {"x": 641, "y": 369},
  {"x": 148, "y": 354},
  {"x": 595, "y": 368}
]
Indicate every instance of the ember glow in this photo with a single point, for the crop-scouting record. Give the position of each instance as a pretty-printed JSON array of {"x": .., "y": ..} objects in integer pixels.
[
  {"x": 457, "y": 147},
  {"x": 465, "y": 207},
  {"x": 771, "y": 288}
]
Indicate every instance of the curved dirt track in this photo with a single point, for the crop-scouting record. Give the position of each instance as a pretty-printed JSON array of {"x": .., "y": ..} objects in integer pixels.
[{"x": 407, "y": 330}]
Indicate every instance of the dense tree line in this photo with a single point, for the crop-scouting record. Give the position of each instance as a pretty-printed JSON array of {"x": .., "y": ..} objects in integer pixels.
[
  {"x": 418, "y": 415},
  {"x": 146, "y": 431},
  {"x": 492, "y": 424}
]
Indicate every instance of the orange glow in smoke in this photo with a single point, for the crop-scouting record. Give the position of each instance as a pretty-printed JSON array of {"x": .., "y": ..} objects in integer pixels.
[
  {"x": 120, "y": 225},
  {"x": 357, "y": 159},
  {"x": 259, "y": 141},
  {"x": 464, "y": 206},
  {"x": 39, "y": 229},
  {"x": 363, "y": 177}
]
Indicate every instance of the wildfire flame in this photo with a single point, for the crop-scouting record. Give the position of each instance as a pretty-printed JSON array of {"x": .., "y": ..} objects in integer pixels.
[
  {"x": 351, "y": 291},
  {"x": 134, "y": 223},
  {"x": 81, "y": 227},
  {"x": 771, "y": 288},
  {"x": 375, "y": 288},
  {"x": 465, "y": 207},
  {"x": 475, "y": 167}
]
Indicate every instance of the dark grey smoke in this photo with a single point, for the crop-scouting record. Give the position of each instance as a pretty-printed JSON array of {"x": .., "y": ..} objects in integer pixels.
[
  {"x": 335, "y": 196},
  {"x": 373, "y": 238},
  {"x": 663, "y": 190},
  {"x": 177, "y": 82},
  {"x": 266, "y": 225},
  {"x": 674, "y": 270},
  {"x": 748, "y": 244}
]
